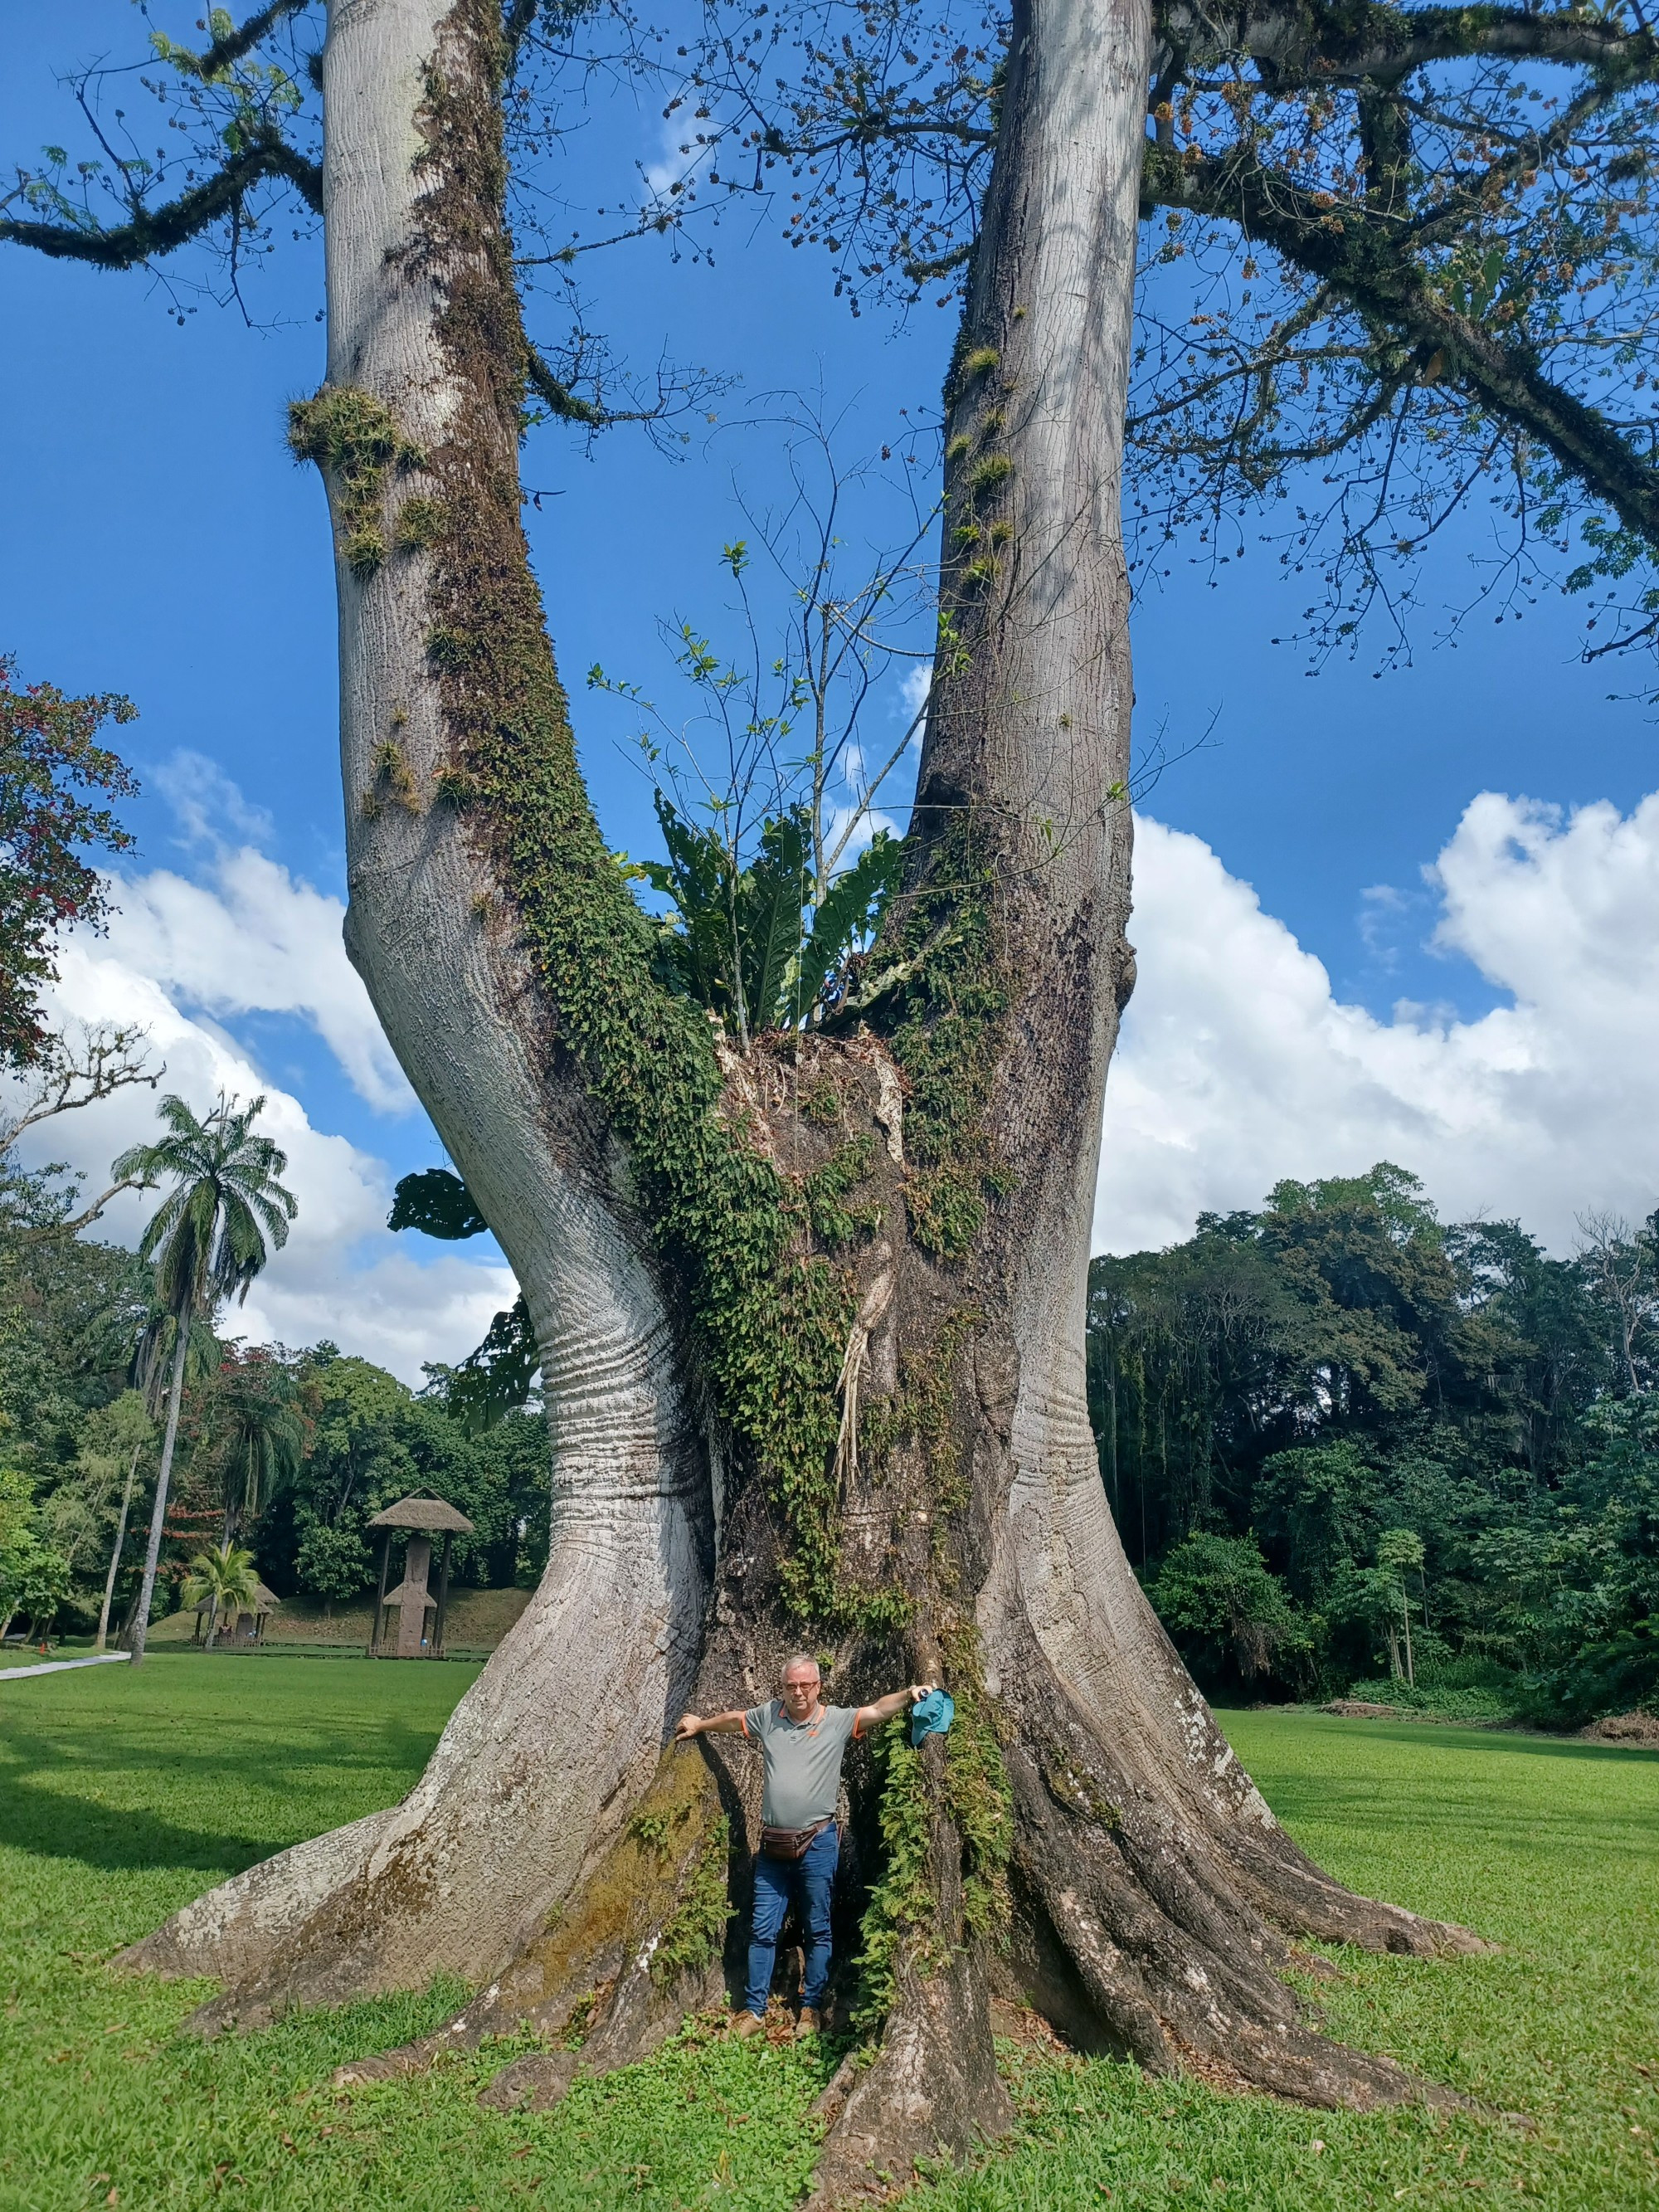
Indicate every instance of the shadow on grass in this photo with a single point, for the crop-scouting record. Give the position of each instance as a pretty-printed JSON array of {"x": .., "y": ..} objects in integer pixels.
[
  {"x": 1460, "y": 1736},
  {"x": 1516, "y": 1743},
  {"x": 48, "y": 1824}
]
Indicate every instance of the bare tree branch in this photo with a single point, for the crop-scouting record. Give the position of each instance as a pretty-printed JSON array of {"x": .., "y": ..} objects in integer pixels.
[
  {"x": 1369, "y": 259},
  {"x": 76, "y": 1223},
  {"x": 1296, "y": 45},
  {"x": 153, "y": 231},
  {"x": 74, "y": 1073}
]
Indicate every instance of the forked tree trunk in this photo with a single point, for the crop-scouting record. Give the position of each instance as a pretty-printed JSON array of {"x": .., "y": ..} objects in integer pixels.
[{"x": 812, "y": 1320}]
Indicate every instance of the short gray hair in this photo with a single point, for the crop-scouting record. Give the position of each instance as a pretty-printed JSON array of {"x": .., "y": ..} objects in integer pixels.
[{"x": 800, "y": 1659}]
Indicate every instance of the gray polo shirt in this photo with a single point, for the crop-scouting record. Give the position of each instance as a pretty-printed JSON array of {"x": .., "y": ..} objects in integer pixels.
[{"x": 803, "y": 1763}]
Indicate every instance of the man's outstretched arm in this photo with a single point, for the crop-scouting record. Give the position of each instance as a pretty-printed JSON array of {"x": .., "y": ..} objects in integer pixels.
[
  {"x": 883, "y": 1709},
  {"x": 690, "y": 1724}
]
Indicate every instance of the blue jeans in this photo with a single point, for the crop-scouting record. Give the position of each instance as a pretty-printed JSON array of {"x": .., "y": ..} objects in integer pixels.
[{"x": 805, "y": 1882}]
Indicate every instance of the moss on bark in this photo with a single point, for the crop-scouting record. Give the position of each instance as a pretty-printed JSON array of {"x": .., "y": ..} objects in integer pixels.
[{"x": 767, "y": 1261}]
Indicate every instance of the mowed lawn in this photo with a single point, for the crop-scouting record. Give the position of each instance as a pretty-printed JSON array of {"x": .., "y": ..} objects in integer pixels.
[{"x": 121, "y": 1795}]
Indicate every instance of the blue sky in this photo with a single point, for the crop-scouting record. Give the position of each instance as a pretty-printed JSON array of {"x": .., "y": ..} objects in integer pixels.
[{"x": 160, "y": 541}]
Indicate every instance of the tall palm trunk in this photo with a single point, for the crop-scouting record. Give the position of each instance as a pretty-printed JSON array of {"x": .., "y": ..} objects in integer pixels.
[
  {"x": 159, "y": 1510},
  {"x": 115, "y": 1556}
]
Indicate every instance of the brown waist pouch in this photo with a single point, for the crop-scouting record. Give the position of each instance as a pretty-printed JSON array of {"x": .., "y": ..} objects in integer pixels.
[{"x": 789, "y": 1843}]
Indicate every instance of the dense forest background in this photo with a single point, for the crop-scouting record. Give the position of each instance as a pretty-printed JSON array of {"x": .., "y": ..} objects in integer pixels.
[
  {"x": 1347, "y": 1443},
  {"x": 1352, "y": 1450},
  {"x": 286, "y": 1452}
]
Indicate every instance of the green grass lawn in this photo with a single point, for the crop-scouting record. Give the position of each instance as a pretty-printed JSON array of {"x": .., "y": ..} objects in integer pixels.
[{"x": 123, "y": 1793}]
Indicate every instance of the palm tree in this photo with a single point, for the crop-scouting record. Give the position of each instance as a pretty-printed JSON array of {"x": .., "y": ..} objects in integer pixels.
[
  {"x": 208, "y": 1241},
  {"x": 226, "y": 1580},
  {"x": 264, "y": 1433},
  {"x": 151, "y": 1362},
  {"x": 130, "y": 1425}
]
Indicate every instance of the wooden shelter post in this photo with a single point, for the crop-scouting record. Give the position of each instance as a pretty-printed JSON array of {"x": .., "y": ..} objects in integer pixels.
[
  {"x": 379, "y": 1603},
  {"x": 437, "y": 1651}
]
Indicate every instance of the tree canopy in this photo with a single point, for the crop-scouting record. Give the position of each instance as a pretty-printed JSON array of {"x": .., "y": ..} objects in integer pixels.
[
  {"x": 53, "y": 778},
  {"x": 1311, "y": 1414},
  {"x": 1393, "y": 257}
]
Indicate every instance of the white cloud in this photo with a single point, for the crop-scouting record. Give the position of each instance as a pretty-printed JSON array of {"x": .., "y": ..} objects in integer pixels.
[
  {"x": 1238, "y": 1065},
  {"x": 914, "y": 686},
  {"x": 206, "y": 802},
  {"x": 678, "y": 155},
  {"x": 395, "y": 1311},
  {"x": 897, "y": 779},
  {"x": 851, "y": 818},
  {"x": 243, "y": 936},
  {"x": 1382, "y": 910},
  {"x": 342, "y": 1273},
  {"x": 253, "y": 939}
]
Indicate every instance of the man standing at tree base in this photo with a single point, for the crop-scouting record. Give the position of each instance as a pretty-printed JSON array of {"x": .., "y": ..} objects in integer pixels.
[{"x": 803, "y": 1744}]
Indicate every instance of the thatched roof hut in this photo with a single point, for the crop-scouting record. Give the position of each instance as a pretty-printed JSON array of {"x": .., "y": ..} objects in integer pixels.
[
  {"x": 263, "y": 1600},
  {"x": 427, "y": 1514},
  {"x": 255, "y": 1611},
  {"x": 424, "y": 1518}
]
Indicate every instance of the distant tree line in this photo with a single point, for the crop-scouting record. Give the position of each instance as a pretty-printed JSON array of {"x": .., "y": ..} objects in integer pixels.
[
  {"x": 1347, "y": 1443},
  {"x": 280, "y": 1458},
  {"x": 284, "y": 1454}
]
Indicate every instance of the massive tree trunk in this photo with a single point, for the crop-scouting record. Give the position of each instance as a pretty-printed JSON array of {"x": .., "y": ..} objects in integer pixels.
[
  {"x": 811, "y": 1319},
  {"x": 555, "y": 1738}
]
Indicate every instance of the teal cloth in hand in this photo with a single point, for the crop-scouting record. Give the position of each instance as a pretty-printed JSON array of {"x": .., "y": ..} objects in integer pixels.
[{"x": 932, "y": 1715}]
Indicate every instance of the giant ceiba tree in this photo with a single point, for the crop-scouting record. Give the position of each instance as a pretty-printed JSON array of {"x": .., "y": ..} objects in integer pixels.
[{"x": 809, "y": 1315}]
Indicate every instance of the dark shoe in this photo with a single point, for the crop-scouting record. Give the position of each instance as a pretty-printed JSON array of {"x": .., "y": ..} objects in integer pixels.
[
  {"x": 808, "y": 2024},
  {"x": 745, "y": 2024}
]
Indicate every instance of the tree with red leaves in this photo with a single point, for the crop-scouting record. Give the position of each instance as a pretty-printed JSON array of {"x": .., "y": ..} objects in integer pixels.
[{"x": 51, "y": 769}]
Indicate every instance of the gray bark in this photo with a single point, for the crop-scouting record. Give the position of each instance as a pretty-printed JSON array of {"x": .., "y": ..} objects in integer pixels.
[
  {"x": 164, "y": 1475},
  {"x": 1152, "y": 1887},
  {"x": 567, "y": 1719}
]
